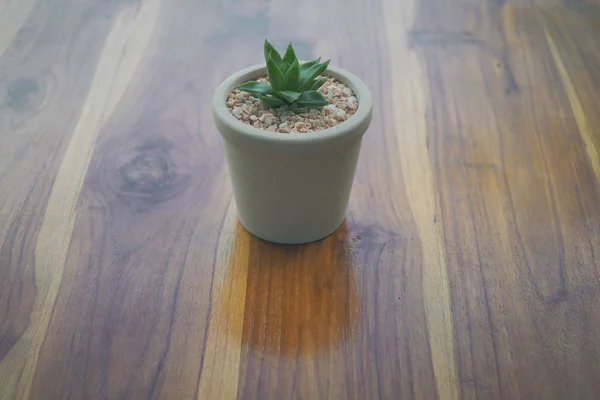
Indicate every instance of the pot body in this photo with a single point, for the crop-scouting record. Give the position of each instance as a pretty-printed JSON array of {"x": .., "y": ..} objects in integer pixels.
[{"x": 292, "y": 188}]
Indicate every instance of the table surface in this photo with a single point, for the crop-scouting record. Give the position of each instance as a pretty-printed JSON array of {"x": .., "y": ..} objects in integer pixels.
[{"x": 469, "y": 263}]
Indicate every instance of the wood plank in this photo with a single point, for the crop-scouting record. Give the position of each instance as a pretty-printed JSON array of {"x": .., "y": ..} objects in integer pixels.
[
  {"x": 467, "y": 266},
  {"x": 41, "y": 106},
  {"x": 510, "y": 166}
]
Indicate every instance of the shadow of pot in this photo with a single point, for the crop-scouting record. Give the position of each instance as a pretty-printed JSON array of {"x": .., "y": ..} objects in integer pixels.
[{"x": 298, "y": 299}]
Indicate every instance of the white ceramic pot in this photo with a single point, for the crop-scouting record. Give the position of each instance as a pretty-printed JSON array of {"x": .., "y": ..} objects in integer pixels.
[{"x": 292, "y": 188}]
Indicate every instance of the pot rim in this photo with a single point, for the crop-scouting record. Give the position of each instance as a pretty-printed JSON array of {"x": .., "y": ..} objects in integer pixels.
[{"x": 234, "y": 130}]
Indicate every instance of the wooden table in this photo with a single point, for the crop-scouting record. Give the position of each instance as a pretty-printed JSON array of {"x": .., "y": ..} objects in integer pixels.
[{"x": 469, "y": 264}]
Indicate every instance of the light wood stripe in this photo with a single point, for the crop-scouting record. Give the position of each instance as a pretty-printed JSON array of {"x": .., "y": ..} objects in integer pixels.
[
  {"x": 575, "y": 102},
  {"x": 13, "y": 15},
  {"x": 509, "y": 24},
  {"x": 220, "y": 370},
  {"x": 121, "y": 54},
  {"x": 409, "y": 92}
]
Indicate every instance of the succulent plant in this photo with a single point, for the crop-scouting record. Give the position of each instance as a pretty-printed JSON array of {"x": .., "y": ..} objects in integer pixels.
[{"x": 290, "y": 81}]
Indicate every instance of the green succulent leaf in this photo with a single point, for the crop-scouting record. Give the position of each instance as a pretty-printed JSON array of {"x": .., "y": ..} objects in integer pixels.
[
  {"x": 309, "y": 64},
  {"x": 307, "y": 77},
  {"x": 271, "y": 100},
  {"x": 270, "y": 52},
  {"x": 290, "y": 55},
  {"x": 288, "y": 96},
  {"x": 291, "y": 83},
  {"x": 312, "y": 98},
  {"x": 284, "y": 67},
  {"x": 256, "y": 88},
  {"x": 317, "y": 83},
  {"x": 275, "y": 75},
  {"x": 292, "y": 77}
]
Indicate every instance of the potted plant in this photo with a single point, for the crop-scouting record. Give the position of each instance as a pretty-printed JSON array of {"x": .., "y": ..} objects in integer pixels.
[{"x": 292, "y": 134}]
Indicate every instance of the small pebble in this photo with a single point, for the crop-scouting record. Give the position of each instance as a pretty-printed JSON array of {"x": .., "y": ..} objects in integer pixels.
[
  {"x": 251, "y": 111},
  {"x": 237, "y": 111}
]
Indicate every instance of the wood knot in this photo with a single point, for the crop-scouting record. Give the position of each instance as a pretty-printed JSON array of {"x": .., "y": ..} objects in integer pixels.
[
  {"x": 23, "y": 94},
  {"x": 143, "y": 167},
  {"x": 139, "y": 167},
  {"x": 29, "y": 94},
  {"x": 149, "y": 174}
]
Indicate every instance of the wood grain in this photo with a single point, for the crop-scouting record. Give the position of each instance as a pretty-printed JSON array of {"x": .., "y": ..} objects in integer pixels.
[{"x": 467, "y": 267}]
